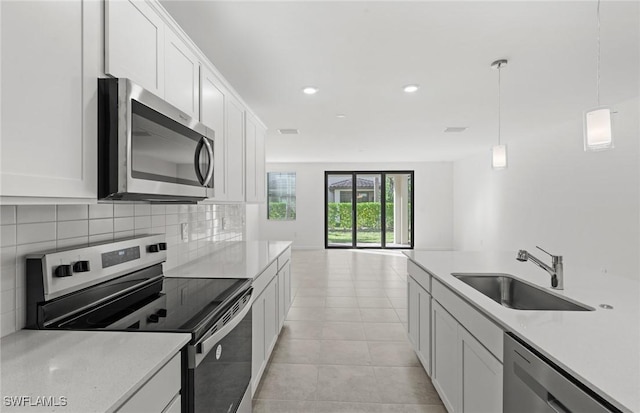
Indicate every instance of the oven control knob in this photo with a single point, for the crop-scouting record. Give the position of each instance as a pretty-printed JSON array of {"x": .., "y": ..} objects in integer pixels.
[
  {"x": 81, "y": 266},
  {"x": 153, "y": 248},
  {"x": 161, "y": 312},
  {"x": 153, "y": 318},
  {"x": 63, "y": 271},
  {"x": 162, "y": 246}
]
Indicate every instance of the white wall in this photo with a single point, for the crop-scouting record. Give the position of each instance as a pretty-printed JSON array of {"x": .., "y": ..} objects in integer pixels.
[
  {"x": 433, "y": 202},
  {"x": 582, "y": 205}
]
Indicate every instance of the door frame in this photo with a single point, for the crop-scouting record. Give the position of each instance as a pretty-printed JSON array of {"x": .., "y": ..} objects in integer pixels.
[{"x": 383, "y": 208}]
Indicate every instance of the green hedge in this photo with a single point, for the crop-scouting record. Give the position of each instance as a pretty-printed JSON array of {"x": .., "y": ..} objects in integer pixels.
[
  {"x": 368, "y": 215},
  {"x": 278, "y": 210}
]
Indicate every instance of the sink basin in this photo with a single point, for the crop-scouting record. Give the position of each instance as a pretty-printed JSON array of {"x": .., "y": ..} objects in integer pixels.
[{"x": 517, "y": 294}]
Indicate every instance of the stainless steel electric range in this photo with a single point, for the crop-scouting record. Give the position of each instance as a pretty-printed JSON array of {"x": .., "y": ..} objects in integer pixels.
[{"x": 120, "y": 286}]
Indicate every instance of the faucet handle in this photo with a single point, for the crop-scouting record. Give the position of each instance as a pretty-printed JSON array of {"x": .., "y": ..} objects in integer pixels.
[
  {"x": 556, "y": 259},
  {"x": 546, "y": 252}
]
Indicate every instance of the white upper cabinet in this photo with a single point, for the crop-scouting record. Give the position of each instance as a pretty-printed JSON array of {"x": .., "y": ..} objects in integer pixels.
[
  {"x": 181, "y": 75},
  {"x": 212, "y": 107},
  {"x": 135, "y": 44},
  {"x": 235, "y": 150},
  {"x": 255, "y": 158},
  {"x": 50, "y": 65}
]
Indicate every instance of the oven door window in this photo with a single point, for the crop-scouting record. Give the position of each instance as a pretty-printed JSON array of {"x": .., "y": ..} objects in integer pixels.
[
  {"x": 164, "y": 150},
  {"x": 222, "y": 378}
]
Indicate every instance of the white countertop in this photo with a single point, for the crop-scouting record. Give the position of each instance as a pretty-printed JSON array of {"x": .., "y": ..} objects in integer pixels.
[
  {"x": 242, "y": 259},
  {"x": 94, "y": 371},
  {"x": 600, "y": 348}
]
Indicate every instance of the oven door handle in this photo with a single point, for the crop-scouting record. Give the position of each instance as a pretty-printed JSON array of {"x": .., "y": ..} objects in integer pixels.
[{"x": 204, "y": 347}]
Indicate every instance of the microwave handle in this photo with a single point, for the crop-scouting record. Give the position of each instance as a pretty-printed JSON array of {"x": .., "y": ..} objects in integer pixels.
[{"x": 204, "y": 180}]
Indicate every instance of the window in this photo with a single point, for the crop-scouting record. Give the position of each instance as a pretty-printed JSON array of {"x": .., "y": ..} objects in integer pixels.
[{"x": 281, "y": 189}]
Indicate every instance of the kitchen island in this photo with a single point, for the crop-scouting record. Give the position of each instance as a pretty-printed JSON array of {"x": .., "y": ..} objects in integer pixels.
[{"x": 599, "y": 348}]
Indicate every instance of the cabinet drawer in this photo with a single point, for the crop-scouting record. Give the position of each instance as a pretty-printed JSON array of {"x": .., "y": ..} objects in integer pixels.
[
  {"x": 262, "y": 280},
  {"x": 284, "y": 257},
  {"x": 421, "y": 276},
  {"x": 158, "y": 392},
  {"x": 483, "y": 329}
]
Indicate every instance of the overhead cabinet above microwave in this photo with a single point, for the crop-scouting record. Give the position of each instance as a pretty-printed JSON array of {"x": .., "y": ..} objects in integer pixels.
[
  {"x": 54, "y": 158},
  {"x": 149, "y": 150}
]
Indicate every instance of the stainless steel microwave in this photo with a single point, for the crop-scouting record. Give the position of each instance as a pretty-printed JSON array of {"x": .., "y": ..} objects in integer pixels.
[{"x": 148, "y": 150}]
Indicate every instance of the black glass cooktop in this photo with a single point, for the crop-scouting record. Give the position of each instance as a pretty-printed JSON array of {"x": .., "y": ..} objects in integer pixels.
[{"x": 186, "y": 305}]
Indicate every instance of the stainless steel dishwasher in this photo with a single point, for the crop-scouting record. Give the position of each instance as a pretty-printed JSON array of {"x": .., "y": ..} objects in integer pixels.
[{"x": 533, "y": 384}]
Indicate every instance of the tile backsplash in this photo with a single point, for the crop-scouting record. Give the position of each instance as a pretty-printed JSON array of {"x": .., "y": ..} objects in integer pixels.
[{"x": 25, "y": 229}]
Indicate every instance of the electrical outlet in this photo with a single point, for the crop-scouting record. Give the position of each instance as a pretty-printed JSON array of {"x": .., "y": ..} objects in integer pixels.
[{"x": 184, "y": 229}]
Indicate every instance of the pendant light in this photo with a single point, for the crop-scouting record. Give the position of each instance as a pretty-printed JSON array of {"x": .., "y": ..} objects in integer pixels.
[
  {"x": 597, "y": 121},
  {"x": 499, "y": 151}
]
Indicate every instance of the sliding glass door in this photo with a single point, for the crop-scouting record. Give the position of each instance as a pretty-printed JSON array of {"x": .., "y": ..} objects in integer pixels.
[{"x": 369, "y": 209}]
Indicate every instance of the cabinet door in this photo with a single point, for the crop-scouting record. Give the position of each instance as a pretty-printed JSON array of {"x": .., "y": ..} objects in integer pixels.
[
  {"x": 258, "y": 355},
  {"x": 251, "y": 158},
  {"x": 481, "y": 377},
  {"x": 212, "y": 106},
  {"x": 413, "y": 304},
  {"x": 287, "y": 287},
  {"x": 134, "y": 43},
  {"x": 255, "y": 155},
  {"x": 281, "y": 298},
  {"x": 181, "y": 75},
  {"x": 445, "y": 356},
  {"x": 50, "y": 63},
  {"x": 424, "y": 328},
  {"x": 270, "y": 316},
  {"x": 261, "y": 169},
  {"x": 235, "y": 150}
]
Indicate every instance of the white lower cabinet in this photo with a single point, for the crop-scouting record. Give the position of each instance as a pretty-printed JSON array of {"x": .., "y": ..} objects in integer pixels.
[
  {"x": 258, "y": 359},
  {"x": 481, "y": 376},
  {"x": 446, "y": 369},
  {"x": 271, "y": 327},
  {"x": 269, "y": 310},
  {"x": 467, "y": 376},
  {"x": 458, "y": 346},
  {"x": 160, "y": 394},
  {"x": 419, "y": 322}
]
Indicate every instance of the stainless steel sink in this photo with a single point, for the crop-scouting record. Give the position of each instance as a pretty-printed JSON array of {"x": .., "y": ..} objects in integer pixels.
[{"x": 517, "y": 294}]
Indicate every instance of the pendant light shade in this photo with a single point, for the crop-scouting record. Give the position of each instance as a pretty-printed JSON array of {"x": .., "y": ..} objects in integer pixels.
[
  {"x": 499, "y": 151},
  {"x": 597, "y": 122},
  {"x": 499, "y": 157},
  {"x": 597, "y": 129}
]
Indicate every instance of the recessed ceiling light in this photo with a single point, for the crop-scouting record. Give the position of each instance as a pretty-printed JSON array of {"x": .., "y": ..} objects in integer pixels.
[
  {"x": 288, "y": 131},
  {"x": 411, "y": 88},
  {"x": 310, "y": 90},
  {"x": 341, "y": 116}
]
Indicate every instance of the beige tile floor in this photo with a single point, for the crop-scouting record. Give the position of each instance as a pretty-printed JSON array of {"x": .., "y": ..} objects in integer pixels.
[{"x": 343, "y": 348}]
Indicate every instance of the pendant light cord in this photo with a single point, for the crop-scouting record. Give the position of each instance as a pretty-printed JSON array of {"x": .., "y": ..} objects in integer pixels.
[
  {"x": 499, "y": 107},
  {"x": 598, "y": 60}
]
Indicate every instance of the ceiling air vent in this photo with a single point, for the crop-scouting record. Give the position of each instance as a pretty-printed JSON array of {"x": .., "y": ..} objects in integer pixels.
[
  {"x": 288, "y": 131},
  {"x": 455, "y": 129}
]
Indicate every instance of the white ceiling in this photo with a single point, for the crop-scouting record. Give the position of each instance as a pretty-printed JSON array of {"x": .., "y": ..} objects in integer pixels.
[{"x": 360, "y": 54}]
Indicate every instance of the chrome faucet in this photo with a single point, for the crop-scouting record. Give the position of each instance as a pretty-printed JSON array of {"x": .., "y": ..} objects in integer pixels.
[{"x": 555, "y": 270}]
